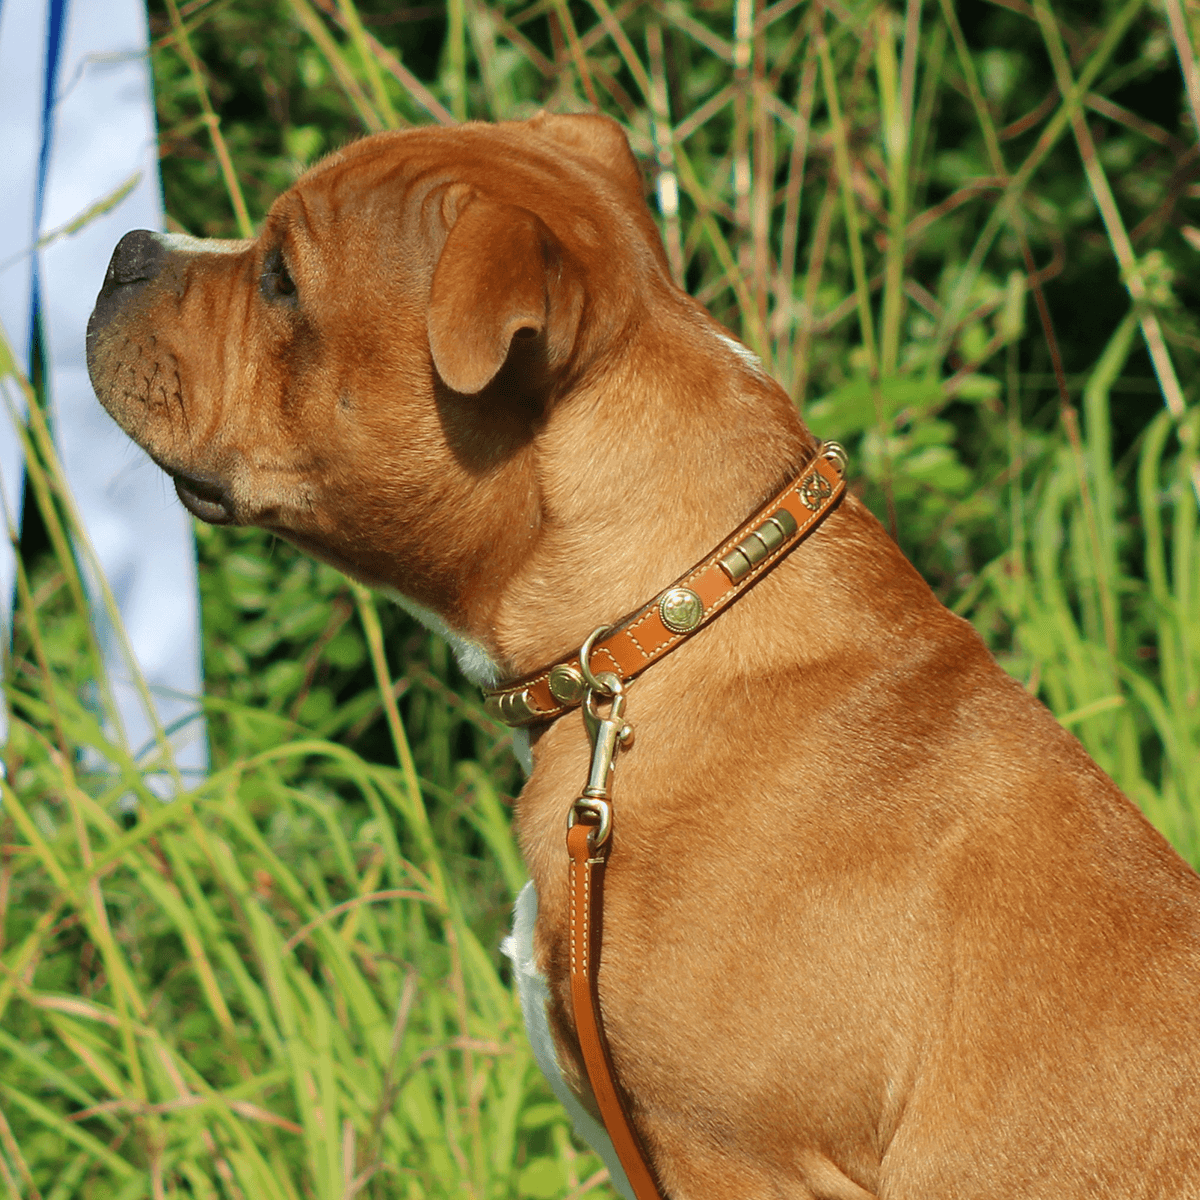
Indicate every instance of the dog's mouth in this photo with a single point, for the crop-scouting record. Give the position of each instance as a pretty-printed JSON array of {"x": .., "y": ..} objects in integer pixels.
[{"x": 204, "y": 498}]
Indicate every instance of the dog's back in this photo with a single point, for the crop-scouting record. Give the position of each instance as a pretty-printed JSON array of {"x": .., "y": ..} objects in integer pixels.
[{"x": 881, "y": 911}]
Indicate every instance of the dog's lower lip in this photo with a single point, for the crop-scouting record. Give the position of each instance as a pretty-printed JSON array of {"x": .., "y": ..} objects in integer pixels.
[{"x": 205, "y": 499}]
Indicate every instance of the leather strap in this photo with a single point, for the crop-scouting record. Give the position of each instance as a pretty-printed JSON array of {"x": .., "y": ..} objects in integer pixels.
[
  {"x": 587, "y": 880},
  {"x": 694, "y": 599}
]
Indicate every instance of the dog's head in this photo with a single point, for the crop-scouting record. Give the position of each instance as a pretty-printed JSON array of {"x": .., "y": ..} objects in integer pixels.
[
  {"x": 394, "y": 336},
  {"x": 453, "y": 363}
]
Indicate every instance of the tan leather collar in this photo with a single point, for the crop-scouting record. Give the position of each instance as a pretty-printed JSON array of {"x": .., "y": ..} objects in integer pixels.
[{"x": 644, "y": 636}]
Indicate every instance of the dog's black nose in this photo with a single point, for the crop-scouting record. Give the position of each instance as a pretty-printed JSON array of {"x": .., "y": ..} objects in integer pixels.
[
  {"x": 136, "y": 261},
  {"x": 138, "y": 258}
]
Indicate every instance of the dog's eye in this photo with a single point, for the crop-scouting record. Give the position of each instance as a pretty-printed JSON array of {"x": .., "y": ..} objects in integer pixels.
[{"x": 276, "y": 282}]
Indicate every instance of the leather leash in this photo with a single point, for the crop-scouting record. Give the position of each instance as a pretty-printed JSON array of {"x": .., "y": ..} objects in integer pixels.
[{"x": 636, "y": 641}]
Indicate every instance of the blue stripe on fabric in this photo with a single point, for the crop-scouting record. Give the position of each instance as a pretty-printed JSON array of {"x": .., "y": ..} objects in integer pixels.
[{"x": 56, "y": 27}]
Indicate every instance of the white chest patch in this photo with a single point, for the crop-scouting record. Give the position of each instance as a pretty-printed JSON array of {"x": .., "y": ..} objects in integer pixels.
[
  {"x": 535, "y": 995},
  {"x": 473, "y": 660}
]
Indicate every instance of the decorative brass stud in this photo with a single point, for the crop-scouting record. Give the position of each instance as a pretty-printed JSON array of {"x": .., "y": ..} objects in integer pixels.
[
  {"x": 681, "y": 610},
  {"x": 813, "y": 489},
  {"x": 566, "y": 684},
  {"x": 510, "y": 708},
  {"x": 751, "y": 550},
  {"x": 785, "y": 521}
]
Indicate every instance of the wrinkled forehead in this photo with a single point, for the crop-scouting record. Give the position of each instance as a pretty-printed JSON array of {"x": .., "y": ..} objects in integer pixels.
[{"x": 399, "y": 173}]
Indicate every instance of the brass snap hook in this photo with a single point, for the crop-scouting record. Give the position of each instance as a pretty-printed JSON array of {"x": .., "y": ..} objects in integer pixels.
[{"x": 609, "y": 688}]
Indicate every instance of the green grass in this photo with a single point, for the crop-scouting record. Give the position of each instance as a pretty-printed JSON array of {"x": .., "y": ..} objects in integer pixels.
[
  {"x": 963, "y": 236},
  {"x": 272, "y": 986}
]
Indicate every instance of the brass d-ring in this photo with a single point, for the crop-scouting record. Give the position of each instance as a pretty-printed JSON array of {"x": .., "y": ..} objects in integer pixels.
[
  {"x": 585, "y": 652},
  {"x": 835, "y": 452},
  {"x": 611, "y": 688}
]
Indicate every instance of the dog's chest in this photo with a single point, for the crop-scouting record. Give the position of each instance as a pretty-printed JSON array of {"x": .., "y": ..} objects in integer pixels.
[{"x": 535, "y": 997}]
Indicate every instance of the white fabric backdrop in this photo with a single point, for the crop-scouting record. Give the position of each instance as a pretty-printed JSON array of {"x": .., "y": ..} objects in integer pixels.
[{"x": 61, "y": 156}]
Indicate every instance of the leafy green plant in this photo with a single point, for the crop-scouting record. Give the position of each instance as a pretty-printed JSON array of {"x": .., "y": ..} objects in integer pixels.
[{"x": 272, "y": 985}]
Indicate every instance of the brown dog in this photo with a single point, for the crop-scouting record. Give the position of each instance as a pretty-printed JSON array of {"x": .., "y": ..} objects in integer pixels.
[{"x": 875, "y": 924}]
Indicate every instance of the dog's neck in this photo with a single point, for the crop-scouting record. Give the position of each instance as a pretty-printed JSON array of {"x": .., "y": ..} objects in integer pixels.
[{"x": 636, "y": 481}]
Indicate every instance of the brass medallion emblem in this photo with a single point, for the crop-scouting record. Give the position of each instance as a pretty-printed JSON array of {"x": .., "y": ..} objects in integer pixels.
[
  {"x": 813, "y": 489},
  {"x": 681, "y": 610},
  {"x": 566, "y": 684}
]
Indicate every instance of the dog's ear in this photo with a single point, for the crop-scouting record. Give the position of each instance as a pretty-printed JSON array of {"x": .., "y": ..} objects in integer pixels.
[
  {"x": 501, "y": 275},
  {"x": 602, "y": 143},
  {"x": 597, "y": 137}
]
